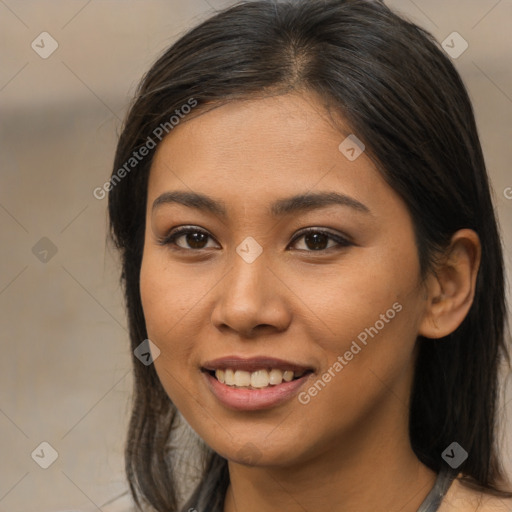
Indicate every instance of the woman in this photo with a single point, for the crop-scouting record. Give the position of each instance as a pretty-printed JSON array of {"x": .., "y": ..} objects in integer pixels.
[{"x": 312, "y": 268}]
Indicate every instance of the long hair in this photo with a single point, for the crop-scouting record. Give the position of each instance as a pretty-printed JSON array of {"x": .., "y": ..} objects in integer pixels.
[{"x": 402, "y": 96}]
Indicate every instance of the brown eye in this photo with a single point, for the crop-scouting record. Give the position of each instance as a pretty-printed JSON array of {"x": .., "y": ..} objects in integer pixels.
[
  {"x": 192, "y": 238},
  {"x": 197, "y": 240},
  {"x": 318, "y": 240}
]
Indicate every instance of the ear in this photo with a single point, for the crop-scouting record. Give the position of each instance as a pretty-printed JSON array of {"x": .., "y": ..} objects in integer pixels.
[{"x": 451, "y": 285}]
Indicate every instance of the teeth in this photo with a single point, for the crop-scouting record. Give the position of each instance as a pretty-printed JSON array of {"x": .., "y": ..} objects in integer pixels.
[
  {"x": 288, "y": 375},
  {"x": 229, "y": 377},
  {"x": 275, "y": 377},
  {"x": 242, "y": 378},
  {"x": 257, "y": 379},
  {"x": 260, "y": 379}
]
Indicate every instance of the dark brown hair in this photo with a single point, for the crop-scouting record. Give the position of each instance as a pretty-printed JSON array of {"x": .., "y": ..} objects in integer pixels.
[{"x": 402, "y": 96}]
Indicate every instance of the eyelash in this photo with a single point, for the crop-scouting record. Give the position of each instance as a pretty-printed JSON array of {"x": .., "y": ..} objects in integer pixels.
[{"x": 171, "y": 238}]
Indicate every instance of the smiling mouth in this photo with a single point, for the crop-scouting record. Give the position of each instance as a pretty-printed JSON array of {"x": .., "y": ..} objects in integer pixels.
[{"x": 259, "y": 379}]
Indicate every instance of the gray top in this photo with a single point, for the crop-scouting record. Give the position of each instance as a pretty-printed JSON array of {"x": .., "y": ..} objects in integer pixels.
[{"x": 434, "y": 498}]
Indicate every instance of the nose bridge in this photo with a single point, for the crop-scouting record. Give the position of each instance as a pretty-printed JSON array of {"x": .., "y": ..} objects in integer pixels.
[
  {"x": 248, "y": 296},
  {"x": 245, "y": 283},
  {"x": 249, "y": 263}
]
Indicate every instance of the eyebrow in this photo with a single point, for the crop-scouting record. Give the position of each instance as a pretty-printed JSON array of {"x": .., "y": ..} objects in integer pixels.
[{"x": 281, "y": 207}]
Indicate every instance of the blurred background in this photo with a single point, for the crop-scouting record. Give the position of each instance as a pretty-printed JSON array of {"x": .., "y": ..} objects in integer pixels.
[{"x": 68, "y": 72}]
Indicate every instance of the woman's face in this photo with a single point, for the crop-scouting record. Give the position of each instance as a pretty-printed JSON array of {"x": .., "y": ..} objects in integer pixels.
[{"x": 343, "y": 302}]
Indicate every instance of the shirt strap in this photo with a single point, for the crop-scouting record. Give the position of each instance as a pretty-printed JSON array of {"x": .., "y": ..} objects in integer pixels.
[{"x": 434, "y": 498}]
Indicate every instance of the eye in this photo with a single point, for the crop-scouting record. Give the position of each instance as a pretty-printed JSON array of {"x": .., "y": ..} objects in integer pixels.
[
  {"x": 193, "y": 237},
  {"x": 318, "y": 240}
]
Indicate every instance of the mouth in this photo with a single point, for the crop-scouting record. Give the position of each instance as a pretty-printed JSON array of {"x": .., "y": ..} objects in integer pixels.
[
  {"x": 255, "y": 372},
  {"x": 256, "y": 383},
  {"x": 258, "y": 379}
]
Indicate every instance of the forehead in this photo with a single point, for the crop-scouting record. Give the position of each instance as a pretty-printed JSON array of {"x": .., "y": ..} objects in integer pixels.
[
  {"x": 271, "y": 147},
  {"x": 277, "y": 127}
]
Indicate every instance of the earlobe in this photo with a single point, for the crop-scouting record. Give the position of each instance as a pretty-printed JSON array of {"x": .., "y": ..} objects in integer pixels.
[{"x": 451, "y": 286}]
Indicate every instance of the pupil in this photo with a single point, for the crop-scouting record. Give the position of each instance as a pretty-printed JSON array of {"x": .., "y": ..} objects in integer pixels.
[
  {"x": 318, "y": 241},
  {"x": 196, "y": 240}
]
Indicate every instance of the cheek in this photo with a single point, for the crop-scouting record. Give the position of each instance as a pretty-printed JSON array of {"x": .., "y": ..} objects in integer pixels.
[
  {"x": 166, "y": 302},
  {"x": 372, "y": 319},
  {"x": 367, "y": 354},
  {"x": 365, "y": 293},
  {"x": 167, "y": 294}
]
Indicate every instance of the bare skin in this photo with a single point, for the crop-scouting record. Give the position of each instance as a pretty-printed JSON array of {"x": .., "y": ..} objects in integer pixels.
[
  {"x": 461, "y": 499},
  {"x": 346, "y": 449}
]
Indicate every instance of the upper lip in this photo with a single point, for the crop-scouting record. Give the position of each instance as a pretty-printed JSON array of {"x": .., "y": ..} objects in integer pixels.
[{"x": 252, "y": 364}]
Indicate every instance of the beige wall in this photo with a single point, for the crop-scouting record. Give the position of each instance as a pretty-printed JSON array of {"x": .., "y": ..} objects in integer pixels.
[{"x": 64, "y": 374}]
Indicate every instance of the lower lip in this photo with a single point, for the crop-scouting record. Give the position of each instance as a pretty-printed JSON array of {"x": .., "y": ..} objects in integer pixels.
[{"x": 242, "y": 399}]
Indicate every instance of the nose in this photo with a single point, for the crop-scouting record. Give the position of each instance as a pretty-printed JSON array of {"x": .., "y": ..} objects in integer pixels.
[{"x": 251, "y": 300}]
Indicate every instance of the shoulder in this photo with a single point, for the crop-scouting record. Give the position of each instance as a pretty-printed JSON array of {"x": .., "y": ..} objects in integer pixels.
[{"x": 460, "y": 498}]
